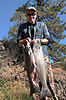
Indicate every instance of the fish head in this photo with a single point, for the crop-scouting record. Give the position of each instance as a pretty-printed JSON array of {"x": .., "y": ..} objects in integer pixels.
[
  {"x": 37, "y": 44},
  {"x": 27, "y": 49}
]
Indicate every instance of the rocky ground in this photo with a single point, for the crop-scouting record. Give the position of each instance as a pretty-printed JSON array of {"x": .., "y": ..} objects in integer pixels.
[{"x": 12, "y": 68}]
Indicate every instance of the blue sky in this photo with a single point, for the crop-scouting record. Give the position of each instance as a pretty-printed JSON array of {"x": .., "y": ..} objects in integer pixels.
[{"x": 7, "y": 8}]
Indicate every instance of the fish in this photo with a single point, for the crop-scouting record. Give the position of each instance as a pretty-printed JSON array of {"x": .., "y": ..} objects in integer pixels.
[
  {"x": 30, "y": 65},
  {"x": 41, "y": 68}
]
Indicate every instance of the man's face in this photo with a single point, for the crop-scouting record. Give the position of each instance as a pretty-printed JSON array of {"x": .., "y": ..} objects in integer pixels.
[{"x": 31, "y": 16}]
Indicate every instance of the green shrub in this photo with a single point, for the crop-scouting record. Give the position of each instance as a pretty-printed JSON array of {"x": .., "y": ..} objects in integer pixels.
[{"x": 13, "y": 91}]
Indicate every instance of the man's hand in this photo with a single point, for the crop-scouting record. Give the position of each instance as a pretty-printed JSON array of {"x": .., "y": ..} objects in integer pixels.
[
  {"x": 30, "y": 41},
  {"x": 24, "y": 41},
  {"x": 43, "y": 41}
]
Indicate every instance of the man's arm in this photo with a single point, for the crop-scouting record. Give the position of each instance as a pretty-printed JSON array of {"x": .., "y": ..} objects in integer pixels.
[
  {"x": 46, "y": 38},
  {"x": 22, "y": 41},
  {"x": 44, "y": 41}
]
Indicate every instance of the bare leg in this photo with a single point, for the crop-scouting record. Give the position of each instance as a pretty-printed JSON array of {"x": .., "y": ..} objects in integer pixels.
[{"x": 50, "y": 79}]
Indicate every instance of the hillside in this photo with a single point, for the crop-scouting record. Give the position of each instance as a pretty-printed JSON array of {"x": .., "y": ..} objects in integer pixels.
[{"x": 12, "y": 73}]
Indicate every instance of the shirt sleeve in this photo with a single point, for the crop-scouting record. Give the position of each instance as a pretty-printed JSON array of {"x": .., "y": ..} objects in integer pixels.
[
  {"x": 46, "y": 33},
  {"x": 20, "y": 33}
]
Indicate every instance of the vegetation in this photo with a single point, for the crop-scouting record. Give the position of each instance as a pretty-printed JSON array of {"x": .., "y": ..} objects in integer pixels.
[
  {"x": 48, "y": 11},
  {"x": 61, "y": 65},
  {"x": 13, "y": 91}
]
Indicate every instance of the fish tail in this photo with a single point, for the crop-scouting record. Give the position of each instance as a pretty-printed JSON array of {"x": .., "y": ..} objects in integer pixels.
[
  {"x": 36, "y": 89},
  {"x": 45, "y": 92}
]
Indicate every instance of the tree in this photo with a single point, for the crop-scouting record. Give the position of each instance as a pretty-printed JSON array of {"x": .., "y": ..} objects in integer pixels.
[{"x": 47, "y": 12}]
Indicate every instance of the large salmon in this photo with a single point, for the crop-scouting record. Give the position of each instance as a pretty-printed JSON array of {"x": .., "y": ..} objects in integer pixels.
[
  {"x": 30, "y": 68},
  {"x": 41, "y": 69}
]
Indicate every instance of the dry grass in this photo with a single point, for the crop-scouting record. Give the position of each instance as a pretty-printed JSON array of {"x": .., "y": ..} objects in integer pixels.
[{"x": 13, "y": 91}]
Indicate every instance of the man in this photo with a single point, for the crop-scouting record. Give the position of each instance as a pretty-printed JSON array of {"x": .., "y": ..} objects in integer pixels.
[{"x": 32, "y": 30}]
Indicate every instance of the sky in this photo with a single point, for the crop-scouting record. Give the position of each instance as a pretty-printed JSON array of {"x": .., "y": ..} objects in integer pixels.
[{"x": 7, "y": 8}]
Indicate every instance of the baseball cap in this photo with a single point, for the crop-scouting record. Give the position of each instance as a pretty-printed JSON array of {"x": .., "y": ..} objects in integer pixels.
[{"x": 30, "y": 8}]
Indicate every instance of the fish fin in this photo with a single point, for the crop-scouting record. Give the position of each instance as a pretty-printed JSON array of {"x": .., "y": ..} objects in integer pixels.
[
  {"x": 34, "y": 89},
  {"x": 29, "y": 53},
  {"x": 45, "y": 92},
  {"x": 35, "y": 65}
]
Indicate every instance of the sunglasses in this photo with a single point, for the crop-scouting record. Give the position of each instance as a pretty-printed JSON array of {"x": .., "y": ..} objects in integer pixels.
[{"x": 33, "y": 14}]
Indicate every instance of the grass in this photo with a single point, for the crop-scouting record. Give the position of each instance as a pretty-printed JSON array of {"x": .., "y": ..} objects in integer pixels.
[{"x": 13, "y": 91}]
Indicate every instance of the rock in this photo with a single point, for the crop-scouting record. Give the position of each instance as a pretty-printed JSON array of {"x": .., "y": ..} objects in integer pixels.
[
  {"x": 0, "y": 65},
  {"x": 60, "y": 83},
  {"x": 16, "y": 77}
]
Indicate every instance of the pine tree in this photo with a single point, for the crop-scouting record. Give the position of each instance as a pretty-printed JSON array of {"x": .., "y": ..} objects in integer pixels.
[{"x": 47, "y": 12}]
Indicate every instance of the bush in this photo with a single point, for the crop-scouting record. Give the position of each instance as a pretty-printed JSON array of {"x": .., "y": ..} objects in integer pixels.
[{"x": 13, "y": 91}]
